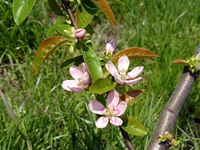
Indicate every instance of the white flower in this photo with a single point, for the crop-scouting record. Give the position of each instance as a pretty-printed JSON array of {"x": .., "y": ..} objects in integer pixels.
[
  {"x": 81, "y": 79},
  {"x": 121, "y": 75},
  {"x": 111, "y": 113}
]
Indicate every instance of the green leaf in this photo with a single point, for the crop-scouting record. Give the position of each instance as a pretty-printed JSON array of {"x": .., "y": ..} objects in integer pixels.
[
  {"x": 105, "y": 7},
  {"x": 134, "y": 127},
  {"x": 55, "y": 7},
  {"x": 73, "y": 61},
  {"x": 21, "y": 9},
  {"x": 60, "y": 27},
  {"x": 92, "y": 61},
  {"x": 102, "y": 86},
  {"x": 47, "y": 47},
  {"x": 134, "y": 52},
  {"x": 85, "y": 13}
]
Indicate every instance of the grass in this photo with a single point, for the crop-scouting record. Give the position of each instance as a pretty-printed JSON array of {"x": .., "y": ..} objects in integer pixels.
[{"x": 55, "y": 119}]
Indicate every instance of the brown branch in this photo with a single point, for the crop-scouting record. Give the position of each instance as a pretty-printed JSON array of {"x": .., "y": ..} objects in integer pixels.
[
  {"x": 127, "y": 139},
  {"x": 174, "y": 105},
  {"x": 67, "y": 6}
]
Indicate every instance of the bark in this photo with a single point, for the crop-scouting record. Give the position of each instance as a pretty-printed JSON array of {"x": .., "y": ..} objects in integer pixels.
[
  {"x": 174, "y": 105},
  {"x": 68, "y": 9}
]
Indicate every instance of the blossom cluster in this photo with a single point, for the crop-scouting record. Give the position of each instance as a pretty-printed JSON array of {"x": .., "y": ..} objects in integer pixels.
[{"x": 114, "y": 106}]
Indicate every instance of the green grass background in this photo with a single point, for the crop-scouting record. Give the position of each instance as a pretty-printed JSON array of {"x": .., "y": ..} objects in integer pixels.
[{"x": 55, "y": 119}]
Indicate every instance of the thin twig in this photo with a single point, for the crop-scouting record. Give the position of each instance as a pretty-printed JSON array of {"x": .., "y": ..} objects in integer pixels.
[
  {"x": 67, "y": 6},
  {"x": 174, "y": 105},
  {"x": 127, "y": 139}
]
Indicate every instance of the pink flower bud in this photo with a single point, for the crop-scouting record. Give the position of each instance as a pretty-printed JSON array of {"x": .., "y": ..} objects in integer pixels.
[
  {"x": 80, "y": 34},
  {"x": 110, "y": 47}
]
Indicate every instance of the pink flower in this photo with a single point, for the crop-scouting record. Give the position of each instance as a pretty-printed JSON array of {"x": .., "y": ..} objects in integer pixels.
[
  {"x": 81, "y": 79},
  {"x": 80, "y": 34},
  {"x": 110, "y": 47},
  {"x": 121, "y": 75},
  {"x": 111, "y": 113}
]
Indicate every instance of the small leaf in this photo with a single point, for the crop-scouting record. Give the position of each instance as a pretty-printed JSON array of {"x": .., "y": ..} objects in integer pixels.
[
  {"x": 92, "y": 61},
  {"x": 102, "y": 86},
  {"x": 85, "y": 13},
  {"x": 181, "y": 61},
  {"x": 130, "y": 96},
  {"x": 21, "y": 9},
  {"x": 134, "y": 127},
  {"x": 133, "y": 53},
  {"x": 73, "y": 61},
  {"x": 105, "y": 7},
  {"x": 55, "y": 7},
  {"x": 46, "y": 47}
]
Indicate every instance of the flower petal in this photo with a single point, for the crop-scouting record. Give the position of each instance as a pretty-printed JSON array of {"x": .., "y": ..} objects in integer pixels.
[
  {"x": 116, "y": 121},
  {"x": 96, "y": 107},
  {"x": 131, "y": 82},
  {"x": 110, "y": 47},
  {"x": 123, "y": 64},
  {"x": 120, "y": 109},
  {"x": 112, "y": 99},
  {"x": 102, "y": 122},
  {"x": 65, "y": 85},
  {"x": 135, "y": 72},
  {"x": 71, "y": 85},
  {"x": 75, "y": 72},
  {"x": 111, "y": 68},
  {"x": 86, "y": 78},
  {"x": 84, "y": 67},
  {"x": 119, "y": 80}
]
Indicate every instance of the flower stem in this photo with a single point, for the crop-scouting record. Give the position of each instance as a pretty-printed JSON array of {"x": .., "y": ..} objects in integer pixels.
[{"x": 127, "y": 139}]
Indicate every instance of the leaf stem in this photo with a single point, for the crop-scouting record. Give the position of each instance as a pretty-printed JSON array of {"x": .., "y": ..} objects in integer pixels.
[{"x": 174, "y": 105}]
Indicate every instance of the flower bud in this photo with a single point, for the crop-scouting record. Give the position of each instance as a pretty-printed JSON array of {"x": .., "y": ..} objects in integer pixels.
[
  {"x": 80, "y": 34},
  {"x": 110, "y": 47}
]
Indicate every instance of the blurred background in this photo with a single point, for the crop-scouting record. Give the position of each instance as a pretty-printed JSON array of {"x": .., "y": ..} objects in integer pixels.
[{"x": 56, "y": 119}]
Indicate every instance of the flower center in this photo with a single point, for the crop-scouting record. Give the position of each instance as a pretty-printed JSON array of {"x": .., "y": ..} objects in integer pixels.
[
  {"x": 109, "y": 112},
  {"x": 80, "y": 82},
  {"x": 123, "y": 75}
]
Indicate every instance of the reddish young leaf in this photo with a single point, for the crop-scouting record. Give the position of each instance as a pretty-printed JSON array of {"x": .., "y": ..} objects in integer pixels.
[
  {"x": 180, "y": 61},
  {"x": 105, "y": 7},
  {"x": 46, "y": 47},
  {"x": 130, "y": 96},
  {"x": 134, "y": 52}
]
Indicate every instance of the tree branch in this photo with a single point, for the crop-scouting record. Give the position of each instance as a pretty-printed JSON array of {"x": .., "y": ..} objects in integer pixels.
[
  {"x": 67, "y": 6},
  {"x": 127, "y": 139},
  {"x": 174, "y": 105}
]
